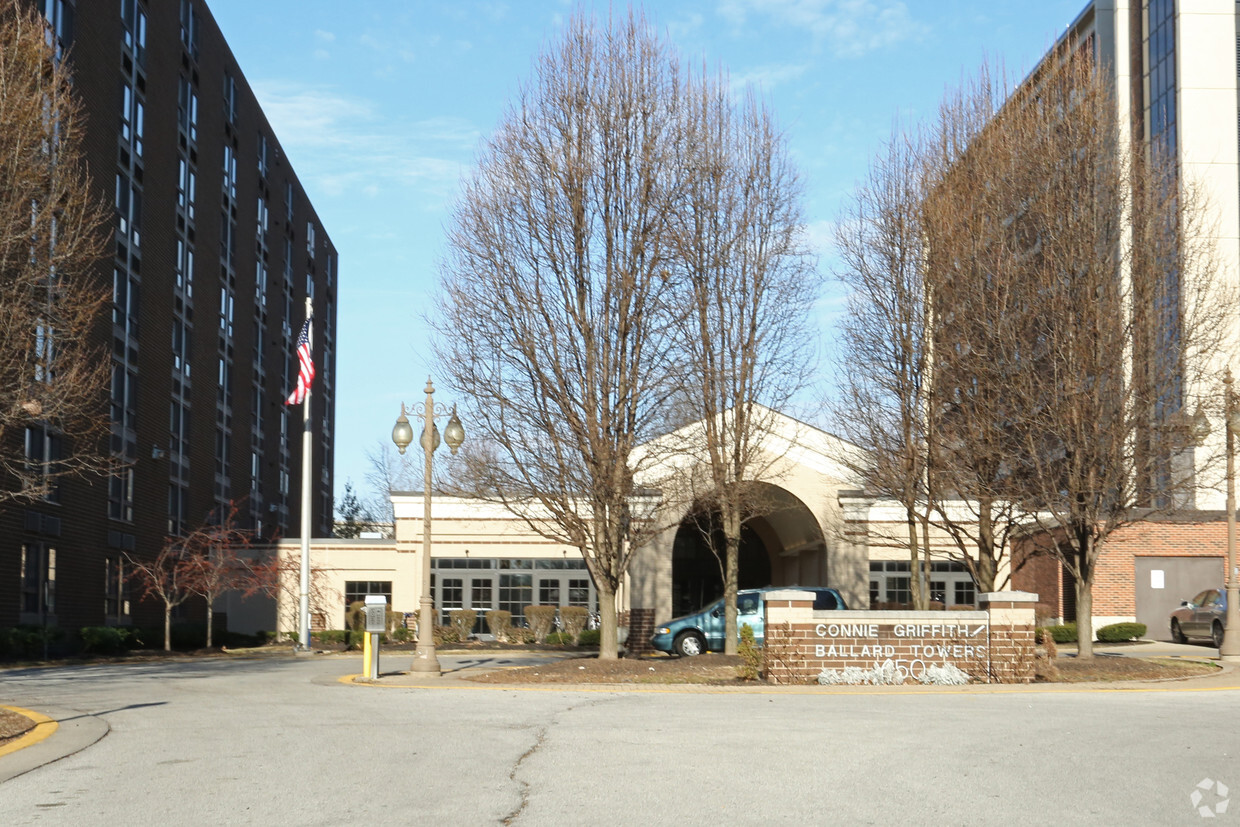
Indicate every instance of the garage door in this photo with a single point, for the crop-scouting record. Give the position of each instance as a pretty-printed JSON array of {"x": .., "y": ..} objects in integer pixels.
[{"x": 1162, "y": 582}]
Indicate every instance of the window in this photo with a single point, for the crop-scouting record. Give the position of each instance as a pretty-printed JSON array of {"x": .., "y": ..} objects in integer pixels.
[
  {"x": 132, "y": 117},
  {"x": 129, "y": 209},
  {"x": 115, "y": 590},
  {"x": 230, "y": 173},
  {"x": 355, "y": 591},
  {"x": 187, "y": 185},
  {"x": 178, "y": 428},
  {"x": 262, "y": 156},
  {"x": 228, "y": 241},
  {"x": 37, "y": 573},
  {"x": 230, "y": 99},
  {"x": 516, "y": 591},
  {"x": 59, "y": 14},
  {"x": 226, "y": 311},
  {"x": 185, "y": 268},
  {"x": 120, "y": 495},
  {"x": 124, "y": 397},
  {"x": 43, "y": 452},
  {"x": 134, "y": 18},
  {"x": 180, "y": 346},
  {"x": 187, "y": 111},
  {"x": 189, "y": 28},
  {"x": 43, "y": 341},
  {"x": 548, "y": 592}
]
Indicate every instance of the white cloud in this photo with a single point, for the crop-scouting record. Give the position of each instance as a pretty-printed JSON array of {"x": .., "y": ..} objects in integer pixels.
[
  {"x": 349, "y": 144},
  {"x": 849, "y": 28},
  {"x": 766, "y": 78}
]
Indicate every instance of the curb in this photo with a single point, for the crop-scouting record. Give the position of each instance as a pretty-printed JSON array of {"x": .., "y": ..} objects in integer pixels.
[
  {"x": 58, "y": 733},
  {"x": 43, "y": 727}
]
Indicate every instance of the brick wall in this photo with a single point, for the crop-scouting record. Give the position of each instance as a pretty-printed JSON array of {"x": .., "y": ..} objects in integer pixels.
[
  {"x": 992, "y": 645},
  {"x": 1114, "y": 590}
]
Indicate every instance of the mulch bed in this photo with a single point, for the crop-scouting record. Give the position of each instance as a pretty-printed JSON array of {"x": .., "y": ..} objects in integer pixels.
[
  {"x": 1107, "y": 668},
  {"x": 13, "y": 726},
  {"x": 721, "y": 670},
  {"x": 712, "y": 668}
]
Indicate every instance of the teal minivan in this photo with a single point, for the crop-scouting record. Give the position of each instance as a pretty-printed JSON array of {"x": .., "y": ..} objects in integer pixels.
[{"x": 696, "y": 633}]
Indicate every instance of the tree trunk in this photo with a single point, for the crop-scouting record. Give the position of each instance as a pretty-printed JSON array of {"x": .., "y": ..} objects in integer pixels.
[
  {"x": 732, "y": 553},
  {"x": 915, "y": 584},
  {"x": 1084, "y": 618},
  {"x": 210, "y": 621},
  {"x": 985, "y": 547},
  {"x": 608, "y": 647},
  {"x": 167, "y": 628}
]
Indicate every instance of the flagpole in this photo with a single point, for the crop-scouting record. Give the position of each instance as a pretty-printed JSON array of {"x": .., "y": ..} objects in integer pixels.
[{"x": 306, "y": 470}]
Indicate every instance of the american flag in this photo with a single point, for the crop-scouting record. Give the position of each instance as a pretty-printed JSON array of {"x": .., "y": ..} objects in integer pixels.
[{"x": 305, "y": 366}]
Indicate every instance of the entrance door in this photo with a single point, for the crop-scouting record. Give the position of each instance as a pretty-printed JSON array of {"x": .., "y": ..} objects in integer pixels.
[
  {"x": 481, "y": 600},
  {"x": 1162, "y": 582}
]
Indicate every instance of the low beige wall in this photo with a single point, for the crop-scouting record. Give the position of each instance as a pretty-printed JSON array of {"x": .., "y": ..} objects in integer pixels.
[{"x": 995, "y": 644}]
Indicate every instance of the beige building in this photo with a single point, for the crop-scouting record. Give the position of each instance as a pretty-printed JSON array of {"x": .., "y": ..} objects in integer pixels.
[{"x": 484, "y": 557}]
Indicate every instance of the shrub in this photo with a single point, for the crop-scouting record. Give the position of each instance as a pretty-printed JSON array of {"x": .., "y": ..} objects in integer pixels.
[
  {"x": 574, "y": 620},
  {"x": 105, "y": 639},
  {"x": 463, "y": 621},
  {"x": 588, "y": 637},
  {"x": 1063, "y": 633},
  {"x": 751, "y": 655},
  {"x": 355, "y": 615},
  {"x": 541, "y": 619},
  {"x": 28, "y": 641},
  {"x": 499, "y": 622},
  {"x": 560, "y": 639},
  {"x": 1117, "y": 632}
]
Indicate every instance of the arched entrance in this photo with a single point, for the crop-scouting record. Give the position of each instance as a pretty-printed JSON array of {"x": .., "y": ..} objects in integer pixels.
[{"x": 782, "y": 546}]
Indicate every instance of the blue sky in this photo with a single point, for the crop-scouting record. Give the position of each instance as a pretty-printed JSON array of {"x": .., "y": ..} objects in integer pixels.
[{"x": 381, "y": 105}]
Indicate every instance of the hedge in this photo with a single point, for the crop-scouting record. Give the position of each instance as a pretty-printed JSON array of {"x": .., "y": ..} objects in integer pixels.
[{"x": 1117, "y": 632}]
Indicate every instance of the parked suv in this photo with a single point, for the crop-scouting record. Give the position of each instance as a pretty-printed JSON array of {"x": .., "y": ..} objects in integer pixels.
[{"x": 696, "y": 633}]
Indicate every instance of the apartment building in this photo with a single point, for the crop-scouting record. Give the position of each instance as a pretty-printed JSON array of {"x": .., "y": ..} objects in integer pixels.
[{"x": 215, "y": 251}]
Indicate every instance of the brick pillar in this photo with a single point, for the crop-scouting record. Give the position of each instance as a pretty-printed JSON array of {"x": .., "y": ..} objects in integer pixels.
[
  {"x": 641, "y": 629},
  {"x": 1012, "y": 650}
]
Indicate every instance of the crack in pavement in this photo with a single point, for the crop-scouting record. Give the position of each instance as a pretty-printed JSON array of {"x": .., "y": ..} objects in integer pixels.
[{"x": 539, "y": 740}]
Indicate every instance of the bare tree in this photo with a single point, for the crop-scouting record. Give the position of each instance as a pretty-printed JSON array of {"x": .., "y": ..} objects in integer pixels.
[
  {"x": 388, "y": 472},
  {"x": 215, "y": 560},
  {"x": 52, "y": 379},
  {"x": 554, "y": 289},
  {"x": 744, "y": 277},
  {"x": 166, "y": 578},
  {"x": 978, "y": 179},
  {"x": 278, "y": 576},
  {"x": 884, "y": 351},
  {"x": 1121, "y": 316}
]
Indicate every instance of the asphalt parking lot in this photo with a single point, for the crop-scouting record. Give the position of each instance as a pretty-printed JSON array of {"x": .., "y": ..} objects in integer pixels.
[{"x": 288, "y": 741}]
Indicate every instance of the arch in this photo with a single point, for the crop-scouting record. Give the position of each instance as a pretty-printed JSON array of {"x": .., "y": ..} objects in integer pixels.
[{"x": 783, "y": 545}]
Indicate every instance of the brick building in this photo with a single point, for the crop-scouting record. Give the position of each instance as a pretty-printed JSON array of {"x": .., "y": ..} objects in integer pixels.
[{"x": 215, "y": 250}]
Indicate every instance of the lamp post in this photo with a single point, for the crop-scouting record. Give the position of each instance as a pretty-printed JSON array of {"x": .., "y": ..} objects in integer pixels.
[
  {"x": 425, "y": 659},
  {"x": 1230, "y": 650}
]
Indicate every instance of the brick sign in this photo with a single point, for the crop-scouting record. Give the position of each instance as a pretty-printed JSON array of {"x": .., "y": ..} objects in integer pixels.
[
  {"x": 910, "y": 645},
  {"x": 993, "y": 644}
]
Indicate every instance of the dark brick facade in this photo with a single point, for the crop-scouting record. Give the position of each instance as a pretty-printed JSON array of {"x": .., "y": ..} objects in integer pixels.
[{"x": 215, "y": 248}]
